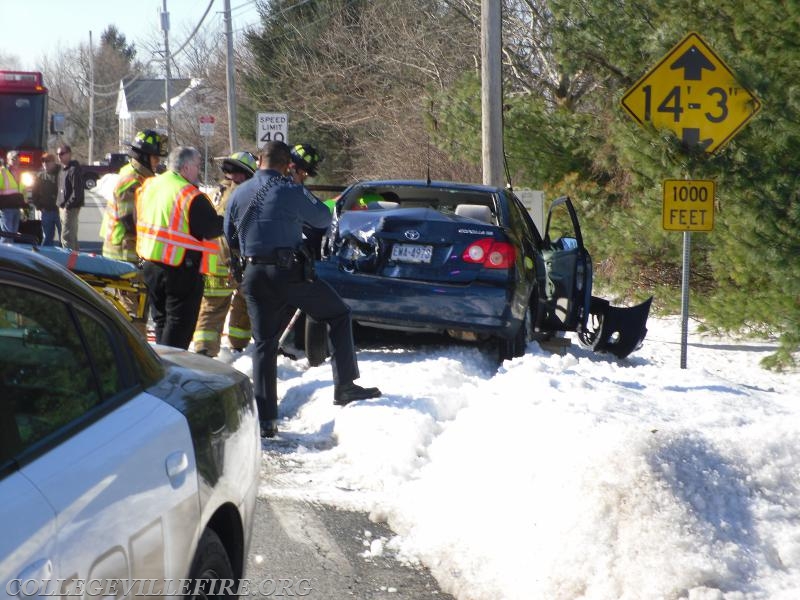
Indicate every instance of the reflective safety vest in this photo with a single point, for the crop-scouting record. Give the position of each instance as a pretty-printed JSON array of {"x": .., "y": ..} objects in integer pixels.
[
  {"x": 162, "y": 220},
  {"x": 8, "y": 183},
  {"x": 218, "y": 281},
  {"x": 118, "y": 243}
]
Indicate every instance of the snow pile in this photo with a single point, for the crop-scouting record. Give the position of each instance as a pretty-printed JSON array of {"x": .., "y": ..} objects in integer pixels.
[{"x": 563, "y": 477}]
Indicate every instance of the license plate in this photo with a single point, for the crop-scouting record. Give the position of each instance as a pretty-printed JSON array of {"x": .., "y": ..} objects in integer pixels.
[{"x": 412, "y": 253}]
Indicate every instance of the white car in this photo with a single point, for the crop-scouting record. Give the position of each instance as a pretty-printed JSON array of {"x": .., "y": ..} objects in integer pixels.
[{"x": 121, "y": 463}]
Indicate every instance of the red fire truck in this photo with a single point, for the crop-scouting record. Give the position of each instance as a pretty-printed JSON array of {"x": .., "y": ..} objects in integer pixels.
[{"x": 23, "y": 118}]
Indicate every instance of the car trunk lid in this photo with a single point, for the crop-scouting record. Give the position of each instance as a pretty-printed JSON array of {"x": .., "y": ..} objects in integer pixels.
[{"x": 415, "y": 243}]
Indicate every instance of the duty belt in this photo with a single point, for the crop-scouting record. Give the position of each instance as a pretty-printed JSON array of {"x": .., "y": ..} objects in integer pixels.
[{"x": 261, "y": 260}]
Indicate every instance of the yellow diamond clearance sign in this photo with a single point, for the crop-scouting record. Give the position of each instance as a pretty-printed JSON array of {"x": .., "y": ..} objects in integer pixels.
[{"x": 694, "y": 94}]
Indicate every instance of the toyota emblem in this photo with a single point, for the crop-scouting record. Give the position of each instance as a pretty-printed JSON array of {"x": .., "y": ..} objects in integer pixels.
[{"x": 412, "y": 234}]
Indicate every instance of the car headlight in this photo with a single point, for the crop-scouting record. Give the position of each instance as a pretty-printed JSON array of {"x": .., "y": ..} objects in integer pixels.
[{"x": 27, "y": 179}]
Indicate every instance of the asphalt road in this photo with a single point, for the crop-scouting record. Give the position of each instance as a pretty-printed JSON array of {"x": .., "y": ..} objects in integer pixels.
[
  {"x": 301, "y": 548},
  {"x": 315, "y": 551}
]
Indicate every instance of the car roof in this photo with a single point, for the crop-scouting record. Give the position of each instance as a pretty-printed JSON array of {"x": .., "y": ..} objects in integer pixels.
[{"x": 421, "y": 183}]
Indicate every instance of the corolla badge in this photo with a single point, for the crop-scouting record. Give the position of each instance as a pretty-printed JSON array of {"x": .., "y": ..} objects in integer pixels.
[{"x": 412, "y": 234}]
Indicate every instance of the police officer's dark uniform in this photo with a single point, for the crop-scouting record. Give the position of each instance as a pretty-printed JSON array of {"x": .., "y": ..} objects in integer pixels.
[{"x": 264, "y": 220}]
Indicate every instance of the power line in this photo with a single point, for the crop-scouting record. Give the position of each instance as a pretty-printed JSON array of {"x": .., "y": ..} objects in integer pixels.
[{"x": 196, "y": 29}]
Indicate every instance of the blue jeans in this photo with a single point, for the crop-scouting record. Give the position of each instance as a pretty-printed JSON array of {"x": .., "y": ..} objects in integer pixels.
[
  {"x": 51, "y": 223},
  {"x": 9, "y": 221}
]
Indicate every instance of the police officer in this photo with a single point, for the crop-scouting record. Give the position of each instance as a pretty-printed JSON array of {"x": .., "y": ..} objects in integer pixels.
[
  {"x": 173, "y": 221},
  {"x": 264, "y": 221},
  {"x": 221, "y": 294}
]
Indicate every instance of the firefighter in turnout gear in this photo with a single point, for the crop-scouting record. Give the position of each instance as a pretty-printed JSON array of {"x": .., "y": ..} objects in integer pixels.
[
  {"x": 304, "y": 161},
  {"x": 221, "y": 296},
  {"x": 118, "y": 229}
]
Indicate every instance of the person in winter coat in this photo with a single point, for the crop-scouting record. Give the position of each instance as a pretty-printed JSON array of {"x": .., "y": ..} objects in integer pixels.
[
  {"x": 70, "y": 196},
  {"x": 43, "y": 197}
]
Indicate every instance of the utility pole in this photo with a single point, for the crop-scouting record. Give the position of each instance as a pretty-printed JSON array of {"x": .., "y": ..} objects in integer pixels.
[
  {"x": 491, "y": 93},
  {"x": 91, "y": 100},
  {"x": 233, "y": 137},
  {"x": 165, "y": 29}
]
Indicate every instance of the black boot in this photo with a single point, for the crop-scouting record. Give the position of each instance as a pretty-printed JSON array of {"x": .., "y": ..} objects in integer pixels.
[
  {"x": 350, "y": 392},
  {"x": 269, "y": 428}
]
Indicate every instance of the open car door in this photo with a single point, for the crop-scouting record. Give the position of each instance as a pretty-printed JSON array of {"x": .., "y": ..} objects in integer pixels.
[
  {"x": 565, "y": 287},
  {"x": 565, "y": 292}
]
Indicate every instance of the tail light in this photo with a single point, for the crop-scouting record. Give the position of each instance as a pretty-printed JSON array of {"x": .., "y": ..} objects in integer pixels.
[{"x": 490, "y": 253}]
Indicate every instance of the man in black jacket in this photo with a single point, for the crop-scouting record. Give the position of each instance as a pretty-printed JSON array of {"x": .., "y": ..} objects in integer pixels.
[
  {"x": 43, "y": 197},
  {"x": 70, "y": 196}
]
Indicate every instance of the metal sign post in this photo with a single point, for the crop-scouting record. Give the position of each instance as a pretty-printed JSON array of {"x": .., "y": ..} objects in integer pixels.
[
  {"x": 687, "y": 252},
  {"x": 206, "y": 131},
  {"x": 688, "y": 206}
]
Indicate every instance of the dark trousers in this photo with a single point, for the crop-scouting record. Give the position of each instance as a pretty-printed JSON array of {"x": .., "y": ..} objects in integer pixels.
[
  {"x": 270, "y": 292},
  {"x": 175, "y": 294}
]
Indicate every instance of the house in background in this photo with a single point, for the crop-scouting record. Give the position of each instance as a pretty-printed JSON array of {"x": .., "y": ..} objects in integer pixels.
[{"x": 140, "y": 105}]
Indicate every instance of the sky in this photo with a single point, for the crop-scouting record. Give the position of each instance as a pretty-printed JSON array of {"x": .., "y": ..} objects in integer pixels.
[
  {"x": 58, "y": 25},
  {"x": 559, "y": 477}
]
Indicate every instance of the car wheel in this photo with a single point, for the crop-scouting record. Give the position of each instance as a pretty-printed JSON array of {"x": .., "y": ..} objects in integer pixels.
[
  {"x": 89, "y": 183},
  {"x": 210, "y": 564},
  {"x": 316, "y": 342},
  {"x": 512, "y": 347}
]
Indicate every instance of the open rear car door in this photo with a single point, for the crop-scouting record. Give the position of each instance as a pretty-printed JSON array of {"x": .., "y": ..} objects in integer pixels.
[{"x": 565, "y": 292}]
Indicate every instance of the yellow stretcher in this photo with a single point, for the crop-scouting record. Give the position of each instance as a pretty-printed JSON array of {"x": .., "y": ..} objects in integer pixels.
[
  {"x": 120, "y": 282},
  {"x": 128, "y": 293}
]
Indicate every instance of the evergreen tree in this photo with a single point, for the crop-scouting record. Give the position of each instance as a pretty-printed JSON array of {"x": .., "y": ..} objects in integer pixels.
[{"x": 392, "y": 87}]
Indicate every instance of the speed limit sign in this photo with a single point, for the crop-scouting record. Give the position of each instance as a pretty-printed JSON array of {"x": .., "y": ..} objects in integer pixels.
[{"x": 271, "y": 127}]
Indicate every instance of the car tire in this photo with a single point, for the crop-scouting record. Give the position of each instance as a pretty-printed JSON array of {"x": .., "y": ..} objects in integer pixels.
[
  {"x": 515, "y": 346},
  {"x": 316, "y": 341},
  {"x": 211, "y": 563},
  {"x": 89, "y": 183}
]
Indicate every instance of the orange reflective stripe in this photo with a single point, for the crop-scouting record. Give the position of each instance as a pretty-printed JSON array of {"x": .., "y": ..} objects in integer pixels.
[{"x": 177, "y": 238}]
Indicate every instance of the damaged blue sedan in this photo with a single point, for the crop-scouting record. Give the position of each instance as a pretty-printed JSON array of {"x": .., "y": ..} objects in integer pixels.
[{"x": 466, "y": 260}]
